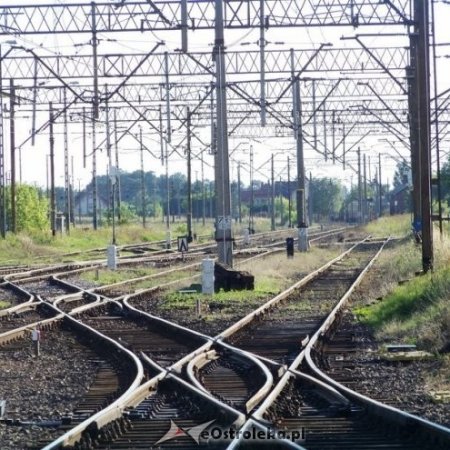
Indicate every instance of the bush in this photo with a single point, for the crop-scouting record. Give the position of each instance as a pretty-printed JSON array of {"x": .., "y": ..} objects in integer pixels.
[{"x": 32, "y": 212}]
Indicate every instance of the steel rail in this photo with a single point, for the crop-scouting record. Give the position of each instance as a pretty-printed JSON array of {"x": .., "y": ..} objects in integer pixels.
[
  {"x": 114, "y": 409},
  {"x": 20, "y": 291},
  {"x": 205, "y": 358},
  {"x": 105, "y": 416},
  {"x": 142, "y": 392},
  {"x": 378, "y": 408},
  {"x": 298, "y": 360}
]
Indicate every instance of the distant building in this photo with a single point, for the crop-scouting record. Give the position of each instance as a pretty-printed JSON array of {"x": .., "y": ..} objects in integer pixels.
[
  {"x": 262, "y": 194},
  {"x": 400, "y": 199},
  {"x": 84, "y": 204},
  {"x": 352, "y": 213}
]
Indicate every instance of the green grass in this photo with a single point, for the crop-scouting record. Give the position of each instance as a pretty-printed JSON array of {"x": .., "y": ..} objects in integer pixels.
[
  {"x": 223, "y": 301},
  {"x": 4, "y": 304},
  {"x": 399, "y": 225},
  {"x": 105, "y": 276},
  {"x": 416, "y": 312},
  {"x": 25, "y": 248}
]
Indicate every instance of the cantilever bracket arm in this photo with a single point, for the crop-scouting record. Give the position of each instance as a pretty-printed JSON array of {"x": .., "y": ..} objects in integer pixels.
[
  {"x": 131, "y": 74},
  {"x": 322, "y": 102},
  {"x": 44, "y": 64},
  {"x": 380, "y": 63},
  {"x": 407, "y": 20},
  {"x": 300, "y": 72}
]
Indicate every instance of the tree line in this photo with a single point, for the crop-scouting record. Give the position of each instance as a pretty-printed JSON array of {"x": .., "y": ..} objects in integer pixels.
[{"x": 329, "y": 199}]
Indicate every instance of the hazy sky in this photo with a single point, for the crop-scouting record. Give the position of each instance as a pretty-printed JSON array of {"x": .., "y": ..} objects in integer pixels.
[{"x": 34, "y": 158}]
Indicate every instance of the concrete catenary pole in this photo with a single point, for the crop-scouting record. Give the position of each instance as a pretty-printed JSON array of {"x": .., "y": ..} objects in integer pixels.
[{"x": 221, "y": 163}]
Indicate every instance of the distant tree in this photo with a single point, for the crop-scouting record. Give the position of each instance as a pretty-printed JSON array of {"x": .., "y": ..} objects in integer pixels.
[
  {"x": 402, "y": 174},
  {"x": 155, "y": 192},
  {"x": 327, "y": 196},
  {"x": 445, "y": 180},
  {"x": 127, "y": 215},
  {"x": 31, "y": 208},
  {"x": 282, "y": 209}
]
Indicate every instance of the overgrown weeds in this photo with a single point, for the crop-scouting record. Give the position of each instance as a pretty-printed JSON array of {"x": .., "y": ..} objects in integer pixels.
[
  {"x": 398, "y": 226},
  {"x": 416, "y": 312}
]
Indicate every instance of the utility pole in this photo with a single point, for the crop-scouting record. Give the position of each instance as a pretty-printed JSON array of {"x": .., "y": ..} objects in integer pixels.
[
  {"x": 325, "y": 150},
  {"x": 72, "y": 192},
  {"x": 343, "y": 146},
  {"x": 12, "y": 141},
  {"x": 52, "y": 171},
  {"x": 35, "y": 91},
  {"x": 94, "y": 173},
  {"x": 116, "y": 149},
  {"x": 411, "y": 77},
  {"x": 365, "y": 215},
  {"x": 239, "y": 192},
  {"x": 79, "y": 201},
  {"x": 84, "y": 136},
  {"x": 112, "y": 178},
  {"x": 167, "y": 86},
  {"x": 421, "y": 10},
  {"x": 196, "y": 205},
  {"x": 314, "y": 113},
  {"x": 333, "y": 135},
  {"x": 436, "y": 122},
  {"x": 167, "y": 191},
  {"x": 310, "y": 198},
  {"x": 221, "y": 166},
  {"x": 289, "y": 193},
  {"x": 281, "y": 202},
  {"x": 262, "y": 60},
  {"x": 301, "y": 184},
  {"x": 360, "y": 209},
  {"x": 2, "y": 162},
  {"x": 250, "y": 213},
  {"x": 142, "y": 179},
  {"x": 203, "y": 192},
  {"x": 211, "y": 198},
  {"x": 189, "y": 176},
  {"x": 272, "y": 203},
  {"x": 95, "y": 100},
  {"x": 380, "y": 185},
  {"x": 66, "y": 165}
]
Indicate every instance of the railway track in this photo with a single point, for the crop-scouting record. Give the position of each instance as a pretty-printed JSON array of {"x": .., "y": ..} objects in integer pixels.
[
  {"x": 25, "y": 316},
  {"x": 162, "y": 343},
  {"x": 325, "y": 425},
  {"x": 232, "y": 378},
  {"x": 47, "y": 289},
  {"x": 77, "y": 374},
  {"x": 282, "y": 331},
  {"x": 237, "y": 372},
  {"x": 351, "y": 357},
  {"x": 328, "y": 420},
  {"x": 48, "y": 282},
  {"x": 171, "y": 401},
  {"x": 12, "y": 296}
]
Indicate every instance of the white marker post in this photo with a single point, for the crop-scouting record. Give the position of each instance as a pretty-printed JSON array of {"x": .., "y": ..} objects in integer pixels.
[
  {"x": 36, "y": 338},
  {"x": 112, "y": 257},
  {"x": 246, "y": 236},
  {"x": 208, "y": 276}
]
